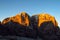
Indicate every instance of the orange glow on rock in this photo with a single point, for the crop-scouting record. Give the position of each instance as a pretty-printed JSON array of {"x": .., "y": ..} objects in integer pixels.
[{"x": 46, "y": 17}]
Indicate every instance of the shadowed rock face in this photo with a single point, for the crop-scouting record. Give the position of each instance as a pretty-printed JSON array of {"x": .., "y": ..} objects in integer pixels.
[
  {"x": 19, "y": 25},
  {"x": 12, "y": 28},
  {"x": 43, "y": 26},
  {"x": 1, "y": 28},
  {"x": 48, "y": 31}
]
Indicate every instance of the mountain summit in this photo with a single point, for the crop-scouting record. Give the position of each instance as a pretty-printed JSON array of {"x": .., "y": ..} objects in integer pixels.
[
  {"x": 21, "y": 18},
  {"x": 42, "y": 25}
]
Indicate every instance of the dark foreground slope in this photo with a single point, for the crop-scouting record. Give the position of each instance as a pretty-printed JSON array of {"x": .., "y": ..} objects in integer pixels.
[
  {"x": 47, "y": 32},
  {"x": 24, "y": 27}
]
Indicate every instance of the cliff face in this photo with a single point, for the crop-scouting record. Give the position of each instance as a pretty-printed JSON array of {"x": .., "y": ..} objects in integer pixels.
[
  {"x": 22, "y": 18},
  {"x": 42, "y": 25},
  {"x": 44, "y": 18}
]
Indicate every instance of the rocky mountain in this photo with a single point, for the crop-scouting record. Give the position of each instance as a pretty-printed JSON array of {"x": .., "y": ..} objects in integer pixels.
[{"x": 42, "y": 25}]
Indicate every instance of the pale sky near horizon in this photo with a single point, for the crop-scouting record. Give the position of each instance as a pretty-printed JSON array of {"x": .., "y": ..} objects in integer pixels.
[{"x": 12, "y": 7}]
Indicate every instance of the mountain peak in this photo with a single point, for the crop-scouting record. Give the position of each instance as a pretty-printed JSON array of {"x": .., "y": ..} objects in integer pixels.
[
  {"x": 21, "y": 13},
  {"x": 22, "y": 24}
]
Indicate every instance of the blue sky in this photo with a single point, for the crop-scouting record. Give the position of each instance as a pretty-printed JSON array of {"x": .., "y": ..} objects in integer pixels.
[{"x": 12, "y": 7}]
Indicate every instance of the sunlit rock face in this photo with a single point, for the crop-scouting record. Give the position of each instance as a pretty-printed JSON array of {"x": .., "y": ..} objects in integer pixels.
[
  {"x": 42, "y": 25},
  {"x": 46, "y": 26},
  {"x": 44, "y": 18},
  {"x": 22, "y": 18},
  {"x": 6, "y": 20},
  {"x": 19, "y": 25},
  {"x": 38, "y": 19}
]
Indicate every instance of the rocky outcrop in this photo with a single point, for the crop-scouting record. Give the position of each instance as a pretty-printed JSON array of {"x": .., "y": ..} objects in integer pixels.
[
  {"x": 44, "y": 26},
  {"x": 40, "y": 18},
  {"x": 47, "y": 30},
  {"x": 19, "y": 25},
  {"x": 22, "y": 18}
]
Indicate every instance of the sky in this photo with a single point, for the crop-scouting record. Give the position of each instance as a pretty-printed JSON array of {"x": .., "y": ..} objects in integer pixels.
[{"x": 12, "y": 7}]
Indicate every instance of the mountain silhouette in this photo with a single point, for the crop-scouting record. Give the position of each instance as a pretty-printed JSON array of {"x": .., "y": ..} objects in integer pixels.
[{"x": 42, "y": 25}]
